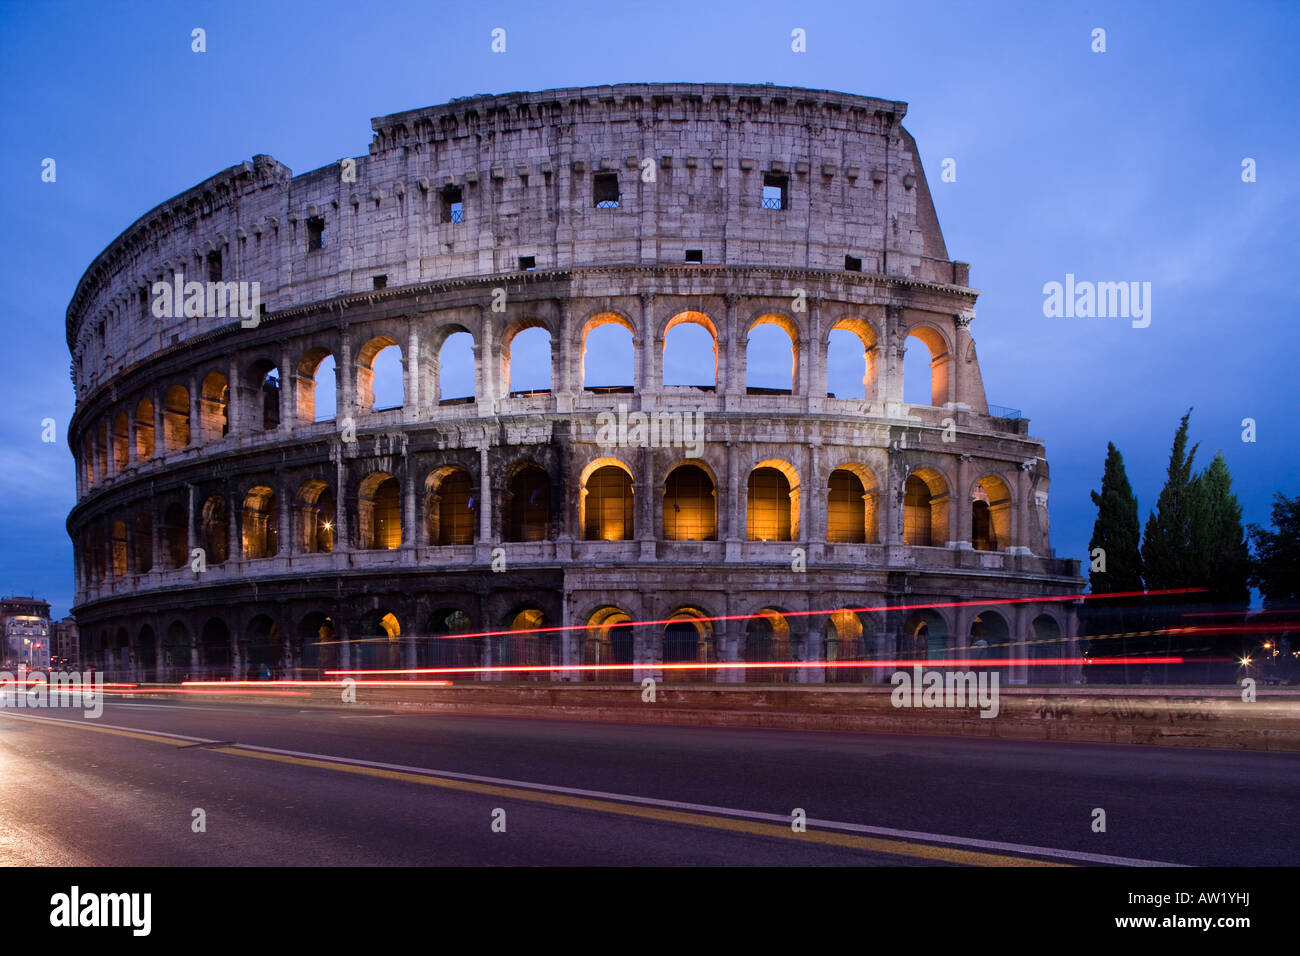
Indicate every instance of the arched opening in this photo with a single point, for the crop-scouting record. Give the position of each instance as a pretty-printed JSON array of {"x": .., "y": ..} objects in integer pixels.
[
  {"x": 526, "y": 647},
  {"x": 88, "y": 461},
  {"x": 526, "y": 355},
  {"x": 175, "y": 663},
  {"x": 379, "y": 375},
  {"x": 319, "y": 645},
  {"x": 101, "y": 452},
  {"x": 773, "y": 502},
  {"x": 456, "y": 369},
  {"x": 450, "y": 512},
  {"x": 690, "y": 505},
  {"x": 315, "y": 528},
  {"x": 925, "y": 368},
  {"x": 771, "y": 356},
  {"x": 925, "y": 637},
  {"x": 528, "y": 511},
  {"x": 990, "y": 514},
  {"x": 851, "y": 505},
  {"x": 120, "y": 445},
  {"x": 147, "y": 654},
  {"x": 691, "y": 351},
  {"x": 122, "y": 653},
  {"x": 214, "y": 407},
  {"x": 1046, "y": 645},
  {"x": 100, "y": 557},
  {"x": 260, "y": 520},
  {"x": 607, "y": 359},
  {"x": 215, "y": 535},
  {"x": 444, "y": 648},
  {"x": 176, "y": 418},
  {"x": 317, "y": 387},
  {"x": 379, "y": 642},
  {"x": 688, "y": 639},
  {"x": 144, "y": 435},
  {"x": 990, "y": 639},
  {"x": 214, "y": 649},
  {"x": 846, "y": 643},
  {"x": 142, "y": 543},
  {"x": 264, "y": 388},
  {"x": 119, "y": 549},
  {"x": 925, "y": 509},
  {"x": 608, "y": 640},
  {"x": 767, "y": 640},
  {"x": 607, "y": 505},
  {"x": 851, "y": 370},
  {"x": 176, "y": 546},
  {"x": 261, "y": 650},
  {"x": 379, "y": 513}
]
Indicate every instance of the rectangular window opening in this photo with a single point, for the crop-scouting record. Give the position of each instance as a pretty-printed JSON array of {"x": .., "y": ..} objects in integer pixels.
[
  {"x": 381, "y": 282},
  {"x": 605, "y": 190},
  {"x": 527, "y": 263},
  {"x": 453, "y": 208},
  {"x": 776, "y": 187},
  {"x": 214, "y": 266},
  {"x": 695, "y": 257},
  {"x": 852, "y": 264},
  {"x": 315, "y": 233}
]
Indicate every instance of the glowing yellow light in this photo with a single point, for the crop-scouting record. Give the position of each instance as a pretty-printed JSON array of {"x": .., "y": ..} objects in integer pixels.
[
  {"x": 327, "y": 525},
  {"x": 1245, "y": 660}
]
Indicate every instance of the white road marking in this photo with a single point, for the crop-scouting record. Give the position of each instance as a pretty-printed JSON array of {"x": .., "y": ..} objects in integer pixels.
[{"x": 939, "y": 838}]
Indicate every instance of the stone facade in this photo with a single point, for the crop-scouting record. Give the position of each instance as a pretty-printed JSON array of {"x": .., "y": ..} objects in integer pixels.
[{"x": 221, "y": 528}]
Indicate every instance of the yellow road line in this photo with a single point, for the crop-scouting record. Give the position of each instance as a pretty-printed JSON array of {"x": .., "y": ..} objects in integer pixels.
[
  {"x": 872, "y": 844},
  {"x": 136, "y": 734},
  {"x": 920, "y": 851}
]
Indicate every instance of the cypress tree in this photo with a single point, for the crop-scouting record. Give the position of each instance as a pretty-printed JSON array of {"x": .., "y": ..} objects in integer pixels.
[
  {"x": 1116, "y": 530},
  {"x": 1166, "y": 543},
  {"x": 1219, "y": 557}
]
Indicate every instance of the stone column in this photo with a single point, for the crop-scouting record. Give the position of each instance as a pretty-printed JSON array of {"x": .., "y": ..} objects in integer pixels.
[
  {"x": 1022, "y": 627},
  {"x": 345, "y": 375},
  {"x": 412, "y": 396},
  {"x": 566, "y": 381},
  {"x": 732, "y": 386},
  {"x": 483, "y": 552},
  {"x": 410, "y": 537},
  {"x": 191, "y": 530},
  {"x": 288, "y": 392},
  {"x": 235, "y": 514},
  {"x": 342, "y": 541},
  {"x": 963, "y": 508},
  {"x": 196, "y": 413},
  {"x": 649, "y": 372},
  {"x": 235, "y": 398},
  {"x": 895, "y": 344},
  {"x": 159, "y": 430},
  {"x": 957, "y": 385}
]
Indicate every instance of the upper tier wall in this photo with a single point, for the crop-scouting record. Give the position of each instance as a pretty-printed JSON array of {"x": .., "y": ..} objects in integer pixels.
[{"x": 526, "y": 165}]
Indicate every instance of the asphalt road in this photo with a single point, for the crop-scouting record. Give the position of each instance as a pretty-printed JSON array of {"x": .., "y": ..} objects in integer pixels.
[{"x": 338, "y": 787}]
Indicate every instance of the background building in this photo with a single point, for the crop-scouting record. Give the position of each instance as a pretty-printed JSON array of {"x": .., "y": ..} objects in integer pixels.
[
  {"x": 246, "y": 499},
  {"x": 25, "y": 622}
]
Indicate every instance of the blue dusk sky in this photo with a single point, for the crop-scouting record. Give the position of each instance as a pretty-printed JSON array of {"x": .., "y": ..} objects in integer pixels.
[{"x": 1117, "y": 166}]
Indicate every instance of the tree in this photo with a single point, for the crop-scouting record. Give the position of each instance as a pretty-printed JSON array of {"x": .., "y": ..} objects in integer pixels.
[
  {"x": 1117, "y": 533},
  {"x": 1276, "y": 566},
  {"x": 1166, "y": 542},
  {"x": 1218, "y": 557},
  {"x": 1116, "y": 530}
]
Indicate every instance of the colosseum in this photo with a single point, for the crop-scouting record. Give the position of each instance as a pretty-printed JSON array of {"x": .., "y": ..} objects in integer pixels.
[{"x": 254, "y": 501}]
